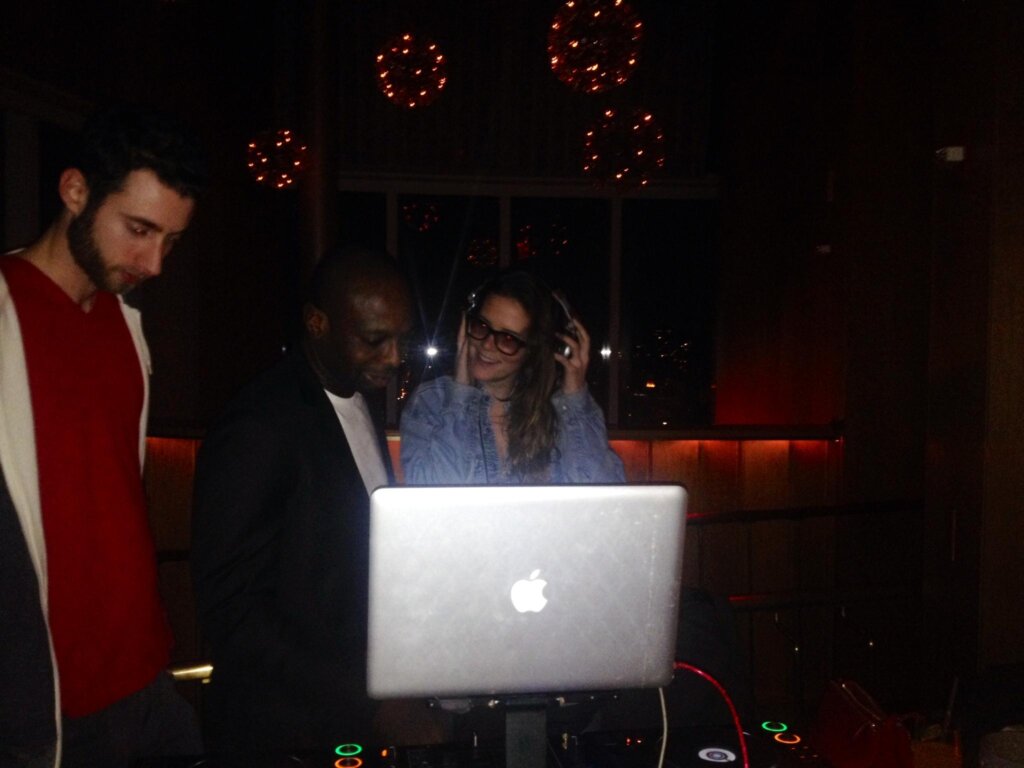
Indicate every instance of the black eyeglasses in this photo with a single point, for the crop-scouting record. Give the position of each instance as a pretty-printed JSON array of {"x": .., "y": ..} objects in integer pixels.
[{"x": 506, "y": 343}]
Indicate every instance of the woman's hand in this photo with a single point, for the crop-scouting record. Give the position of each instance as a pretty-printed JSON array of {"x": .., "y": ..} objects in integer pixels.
[
  {"x": 575, "y": 365},
  {"x": 462, "y": 355}
]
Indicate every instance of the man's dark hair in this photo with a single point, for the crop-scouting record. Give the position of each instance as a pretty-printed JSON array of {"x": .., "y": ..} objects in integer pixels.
[
  {"x": 344, "y": 269},
  {"x": 119, "y": 140}
]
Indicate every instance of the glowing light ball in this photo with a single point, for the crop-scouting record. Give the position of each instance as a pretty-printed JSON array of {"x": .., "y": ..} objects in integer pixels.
[
  {"x": 594, "y": 45},
  {"x": 276, "y": 158},
  {"x": 482, "y": 252},
  {"x": 540, "y": 242},
  {"x": 411, "y": 72},
  {"x": 420, "y": 217},
  {"x": 624, "y": 148}
]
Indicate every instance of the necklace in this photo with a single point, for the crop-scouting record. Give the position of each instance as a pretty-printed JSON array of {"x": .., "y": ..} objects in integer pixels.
[{"x": 511, "y": 394}]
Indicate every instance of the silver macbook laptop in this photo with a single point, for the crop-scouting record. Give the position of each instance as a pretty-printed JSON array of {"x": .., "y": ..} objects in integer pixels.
[{"x": 489, "y": 590}]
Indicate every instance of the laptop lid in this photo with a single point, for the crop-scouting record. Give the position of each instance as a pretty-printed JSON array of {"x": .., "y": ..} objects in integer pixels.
[{"x": 489, "y": 590}]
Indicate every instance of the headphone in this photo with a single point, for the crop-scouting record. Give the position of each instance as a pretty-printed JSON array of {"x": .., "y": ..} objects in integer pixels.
[{"x": 570, "y": 324}]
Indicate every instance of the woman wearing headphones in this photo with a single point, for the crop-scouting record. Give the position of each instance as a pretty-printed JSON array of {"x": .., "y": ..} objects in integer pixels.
[{"x": 517, "y": 409}]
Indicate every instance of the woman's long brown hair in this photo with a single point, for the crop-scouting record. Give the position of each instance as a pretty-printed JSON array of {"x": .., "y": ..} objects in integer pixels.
[{"x": 532, "y": 422}]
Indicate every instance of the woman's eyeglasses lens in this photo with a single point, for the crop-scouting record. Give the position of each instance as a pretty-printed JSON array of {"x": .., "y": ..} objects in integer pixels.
[{"x": 505, "y": 342}]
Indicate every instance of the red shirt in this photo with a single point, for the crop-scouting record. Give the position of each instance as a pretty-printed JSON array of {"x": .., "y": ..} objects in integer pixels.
[{"x": 109, "y": 629}]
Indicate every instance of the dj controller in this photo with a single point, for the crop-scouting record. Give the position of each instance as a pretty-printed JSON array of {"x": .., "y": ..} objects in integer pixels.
[{"x": 772, "y": 745}]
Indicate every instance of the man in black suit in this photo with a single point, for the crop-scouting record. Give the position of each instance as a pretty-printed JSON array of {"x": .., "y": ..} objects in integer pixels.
[{"x": 281, "y": 517}]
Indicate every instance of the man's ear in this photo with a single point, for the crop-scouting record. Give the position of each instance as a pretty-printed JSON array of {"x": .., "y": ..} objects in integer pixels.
[
  {"x": 73, "y": 190},
  {"x": 316, "y": 321}
]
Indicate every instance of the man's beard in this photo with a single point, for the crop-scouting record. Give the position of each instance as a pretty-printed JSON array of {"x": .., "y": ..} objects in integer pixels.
[{"x": 82, "y": 244}]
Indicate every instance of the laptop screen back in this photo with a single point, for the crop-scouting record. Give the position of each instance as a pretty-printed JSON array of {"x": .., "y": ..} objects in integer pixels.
[{"x": 488, "y": 590}]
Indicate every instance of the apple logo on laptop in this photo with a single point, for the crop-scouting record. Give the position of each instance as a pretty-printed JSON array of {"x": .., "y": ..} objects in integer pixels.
[{"x": 528, "y": 594}]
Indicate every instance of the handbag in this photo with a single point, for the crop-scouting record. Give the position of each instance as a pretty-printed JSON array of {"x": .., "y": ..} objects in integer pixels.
[{"x": 853, "y": 731}]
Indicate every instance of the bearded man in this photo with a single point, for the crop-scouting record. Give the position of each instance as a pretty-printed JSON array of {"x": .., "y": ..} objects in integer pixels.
[{"x": 84, "y": 640}]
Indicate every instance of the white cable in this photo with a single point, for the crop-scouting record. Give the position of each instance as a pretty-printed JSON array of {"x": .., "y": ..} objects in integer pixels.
[{"x": 664, "y": 728}]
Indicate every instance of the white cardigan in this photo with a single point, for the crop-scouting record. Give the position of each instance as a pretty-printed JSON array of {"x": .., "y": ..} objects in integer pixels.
[{"x": 18, "y": 445}]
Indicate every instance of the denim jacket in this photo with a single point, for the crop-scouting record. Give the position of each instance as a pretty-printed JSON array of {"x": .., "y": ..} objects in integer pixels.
[{"x": 447, "y": 439}]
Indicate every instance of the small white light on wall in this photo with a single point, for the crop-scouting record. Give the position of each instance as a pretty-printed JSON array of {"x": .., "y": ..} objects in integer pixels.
[{"x": 953, "y": 154}]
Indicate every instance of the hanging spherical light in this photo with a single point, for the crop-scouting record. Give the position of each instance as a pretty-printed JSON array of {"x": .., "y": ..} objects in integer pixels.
[
  {"x": 594, "y": 45},
  {"x": 548, "y": 242},
  {"x": 411, "y": 72},
  {"x": 276, "y": 158},
  {"x": 482, "y": 252},
  {"x": 525, "y": 247},
  {"x": 624, "y": 148},
  {"x": 420, "y": 216}
]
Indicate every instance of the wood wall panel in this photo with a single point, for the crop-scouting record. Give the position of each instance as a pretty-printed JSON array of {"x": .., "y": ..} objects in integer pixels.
[
  {"x": 774, "y": 555},
  {"x": 724, "y": 558},
  {"x": 169, "y": 469},
  {"x": 815, "y": 547},
  {"x": 810, "y": 482},
  {"x": 676, "y": 461},
  {"x": 716, "y": 486},
  {"x": 764, "y": 474},
  {"x": 167, "y": 477},
  {"x": 636, "y": 456}
]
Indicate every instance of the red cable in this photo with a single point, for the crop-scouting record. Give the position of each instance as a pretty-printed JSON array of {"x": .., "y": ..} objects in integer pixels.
[{"x": 728, "y": 701}]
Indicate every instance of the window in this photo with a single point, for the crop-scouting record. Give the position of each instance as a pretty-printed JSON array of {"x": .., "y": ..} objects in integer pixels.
[
  {"x": 362, "y": 219},
  {"x": 565, "y": 241},
  {"x": 668, "y": 288},
  {"x": 448, "y": 245},
  {"x": 640, "y": 273}
]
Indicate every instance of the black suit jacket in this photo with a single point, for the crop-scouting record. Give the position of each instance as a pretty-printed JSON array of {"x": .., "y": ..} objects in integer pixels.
[{"x": 280, "y": 562}]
